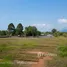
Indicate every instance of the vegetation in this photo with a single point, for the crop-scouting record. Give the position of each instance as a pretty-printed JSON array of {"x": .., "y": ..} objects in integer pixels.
[
  {"x": 61, "y": 59},
  {"x": 31, "y": 31},
  {"x": 28, "y": 31},
  {"x": 11, "y": 29},
  {"x": 19, "y": 29},
  {"x": 57, "y": 62},
  {"x": 63, "y": 51},
  {"x": 54, "y": 30},
  {"x": 16, "y": 48}
]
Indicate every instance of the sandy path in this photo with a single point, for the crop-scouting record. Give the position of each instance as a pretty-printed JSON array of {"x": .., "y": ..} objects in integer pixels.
[
  {"x": 42, "y": 62},
  {"x": 42, "y": 59}
]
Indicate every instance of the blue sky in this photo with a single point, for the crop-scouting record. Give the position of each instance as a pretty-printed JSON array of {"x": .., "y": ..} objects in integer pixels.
[{"x": 44, "y": 14}]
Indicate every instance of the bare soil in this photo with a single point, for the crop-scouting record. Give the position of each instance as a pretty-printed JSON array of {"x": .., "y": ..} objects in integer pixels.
[{"x": 42, "y": 60}]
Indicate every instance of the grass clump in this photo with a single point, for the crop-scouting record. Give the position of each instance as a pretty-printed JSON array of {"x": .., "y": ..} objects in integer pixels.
[{"x": 62, "y": 51}]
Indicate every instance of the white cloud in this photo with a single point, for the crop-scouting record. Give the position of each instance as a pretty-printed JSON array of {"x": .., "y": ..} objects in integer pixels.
[
  {"x": 43, "y": 26},
  {"x": 39, "y": 25},
  {"x": 20, "y": 20},
  {"x": 62, "y": 20}
]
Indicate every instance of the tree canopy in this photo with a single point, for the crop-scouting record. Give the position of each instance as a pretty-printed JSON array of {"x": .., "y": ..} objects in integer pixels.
[
  {"x": 31, "y": 31},
  {"x": 28, "y": 31},
  {"x": 54, "y": 30},
  {"x": 11, "y": 29},
  {"x": 19, "y": 29}
]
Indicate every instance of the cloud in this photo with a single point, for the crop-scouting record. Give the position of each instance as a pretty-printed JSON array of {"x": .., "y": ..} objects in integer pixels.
[
  {"x": 39, "y": 25},
  {"x": 43, "y": 26},
  {"x": 62, "y": 20}
]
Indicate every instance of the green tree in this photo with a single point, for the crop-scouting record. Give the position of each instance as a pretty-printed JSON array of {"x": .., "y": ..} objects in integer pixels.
[
  {"x": 56, "y": 34},
  {"x": 3, "y": 33},
  {"x": 38, "y": 33},
  {"x": 34, "y": 31},
  {"x": 31, "y": 31},
  {"x": 0, "y": 32},
  {"x": 54, "y": 31},
  {"x": 11, "y": 29},
  {"x": 28, "y": 31},
  {"x": 19, "y": 29},
  {"x": 46, "y": 33}
]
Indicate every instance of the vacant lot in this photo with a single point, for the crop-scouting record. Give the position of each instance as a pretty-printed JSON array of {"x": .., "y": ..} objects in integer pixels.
[{"x": 12, "y": 49}]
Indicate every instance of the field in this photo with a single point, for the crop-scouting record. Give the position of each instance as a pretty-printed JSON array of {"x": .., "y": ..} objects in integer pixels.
[{"x": 16, "y": 49}]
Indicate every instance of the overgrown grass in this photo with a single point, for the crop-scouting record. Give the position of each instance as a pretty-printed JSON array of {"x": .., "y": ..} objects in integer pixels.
[
  {"x": 57, "y": 62},
  {"x": 15, "y": 48},
  {"x": 5, "y": 65},
  {"x": 62, "y": 51}
]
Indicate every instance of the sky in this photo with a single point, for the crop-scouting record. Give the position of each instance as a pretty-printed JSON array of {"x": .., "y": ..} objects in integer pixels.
[{"x": 44, "y": 14}]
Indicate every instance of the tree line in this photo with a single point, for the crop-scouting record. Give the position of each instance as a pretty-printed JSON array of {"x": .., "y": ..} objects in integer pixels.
[
  {"x": 28, "y": 31},
  {"x": 19, "y": 31}
]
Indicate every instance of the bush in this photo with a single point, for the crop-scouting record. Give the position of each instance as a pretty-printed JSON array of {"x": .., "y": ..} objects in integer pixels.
[
  {"x": 65, "y": 34},
  {"x": 63, "y": 51}
]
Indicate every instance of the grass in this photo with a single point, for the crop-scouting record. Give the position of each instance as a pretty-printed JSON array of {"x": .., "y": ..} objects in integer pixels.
[
  {"x": 15, "y": 48},
  {"x": 58, "y": 62},
  {"x": 5, "y": 65}
]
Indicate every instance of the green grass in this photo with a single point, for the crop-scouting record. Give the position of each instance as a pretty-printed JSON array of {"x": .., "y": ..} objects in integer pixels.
[
  {"x": 14, "y": 48},
  {"x": 5, "y": 65}
]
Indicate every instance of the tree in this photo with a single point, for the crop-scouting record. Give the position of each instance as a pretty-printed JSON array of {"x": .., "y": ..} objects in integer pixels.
[
  {"x": 28, "y": 31},
  {"x": 11, "y": 29},
  {"x": 3, "y": 33},
  {"x": 54, "y": 31},
  {"x": 19, "y": 29},
  {"x": 31, "y": 31},
  {"x": 56, "y": 34},
  {"x": 34, "y": 31},
  {"x": 38, "y": 33},
  {"x": 47, "y": 33},
  {"x": 0, "y": 32}
]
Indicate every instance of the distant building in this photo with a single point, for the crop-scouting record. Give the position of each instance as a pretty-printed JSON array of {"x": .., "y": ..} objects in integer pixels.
[
  {"x": 42, "y": 34},
  {"x": 49, "y": 35}
]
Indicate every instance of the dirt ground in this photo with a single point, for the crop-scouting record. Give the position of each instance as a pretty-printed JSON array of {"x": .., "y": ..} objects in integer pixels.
[{"x": 42, "y": 60}]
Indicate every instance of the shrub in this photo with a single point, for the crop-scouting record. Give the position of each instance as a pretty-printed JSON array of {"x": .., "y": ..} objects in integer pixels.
[{"x": 63, "y": 51}]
